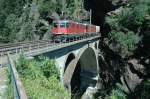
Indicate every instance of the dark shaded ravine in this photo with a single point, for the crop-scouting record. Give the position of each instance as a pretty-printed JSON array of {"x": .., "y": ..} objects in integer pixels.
[{"x": 115, "y": 69}]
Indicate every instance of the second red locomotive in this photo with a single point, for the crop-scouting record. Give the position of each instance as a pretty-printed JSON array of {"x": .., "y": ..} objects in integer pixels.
[{"x": 64, "y": 29}]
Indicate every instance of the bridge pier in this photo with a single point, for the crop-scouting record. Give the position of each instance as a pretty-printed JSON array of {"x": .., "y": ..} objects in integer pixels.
[{"x": 82, "y": 71}]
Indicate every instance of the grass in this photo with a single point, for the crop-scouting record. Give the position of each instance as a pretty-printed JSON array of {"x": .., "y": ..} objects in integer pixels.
[
  {"x": 9, "y": 90},
  {"x": 41, "y": 79}
]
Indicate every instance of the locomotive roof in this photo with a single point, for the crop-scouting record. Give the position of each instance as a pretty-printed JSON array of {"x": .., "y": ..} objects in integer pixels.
[
  {"x": 63, "y": 21},
  {"x": 66, "y": 21}
]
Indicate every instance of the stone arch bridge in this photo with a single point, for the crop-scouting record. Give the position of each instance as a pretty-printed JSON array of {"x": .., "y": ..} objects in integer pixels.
[{"x": 77, "y": 63}]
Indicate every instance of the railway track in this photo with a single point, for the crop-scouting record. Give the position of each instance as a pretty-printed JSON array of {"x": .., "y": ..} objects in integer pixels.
[
  {"x": 9, "y": 45},
  {"x": 14, "y": 48},
  {"x": 32, "y": 47}
]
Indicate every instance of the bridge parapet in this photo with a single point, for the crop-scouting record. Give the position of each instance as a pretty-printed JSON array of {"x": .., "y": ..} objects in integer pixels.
[{"x": 35, "y": 48}]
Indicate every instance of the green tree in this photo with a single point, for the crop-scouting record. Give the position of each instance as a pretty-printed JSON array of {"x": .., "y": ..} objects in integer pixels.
[
  {"x": 74, "y": 9},
  {"x": 10, "y": 10},
  {"x": 127, "y": 43}
]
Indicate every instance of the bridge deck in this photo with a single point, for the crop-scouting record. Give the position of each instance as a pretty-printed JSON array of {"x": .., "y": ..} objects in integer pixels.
[{"x": 36, "y": 48}]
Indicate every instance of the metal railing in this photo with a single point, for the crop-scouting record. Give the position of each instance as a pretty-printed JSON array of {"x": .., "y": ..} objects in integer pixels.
[
  {"x": 22, "y": 46},
  {"x": 18, "y": 89},
  {"x": 2, "y": 46},
  {"x": 15, "y": 48},
  {"x": 35, "y": 46}
]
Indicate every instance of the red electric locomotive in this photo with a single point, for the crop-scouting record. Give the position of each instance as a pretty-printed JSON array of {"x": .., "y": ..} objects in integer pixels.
[{"x": 64, "y": 29}]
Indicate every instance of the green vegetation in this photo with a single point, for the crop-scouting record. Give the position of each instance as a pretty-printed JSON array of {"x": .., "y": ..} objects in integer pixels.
[
  {"x": 28, "y": 20},
  {"x": 143, "y": 90},
  {"x": 129, "y": 37},
  {"x": 116, "y": 94},
  {"x": 31, "y": 19},
  {"x": 9, "y": 90},
  {"x": 128, "y": 24},
  {"x": 40, "y": 79},
  {"x": 4, "y": 81},
  {"x": 127, "y": 43}
]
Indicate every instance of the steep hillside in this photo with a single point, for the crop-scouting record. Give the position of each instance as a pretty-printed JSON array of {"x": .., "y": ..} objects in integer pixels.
[
  {"x": 125, "y": 27},
  {"x": 31, "y": 20}
]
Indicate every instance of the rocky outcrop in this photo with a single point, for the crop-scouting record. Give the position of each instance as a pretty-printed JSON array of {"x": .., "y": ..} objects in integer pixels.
[
  {"x": 114, "y": 69},
  {"x": 99, "y": 10}
]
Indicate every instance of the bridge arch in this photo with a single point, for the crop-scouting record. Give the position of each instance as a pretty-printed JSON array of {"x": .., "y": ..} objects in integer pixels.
[
  {"x": 81, "y": 71},
  {"x": 69, "y": 58},
  {"x": 88, "y": 61},
  {"x": 96, "y": 45},
  {"x": 85, "y": 72}
]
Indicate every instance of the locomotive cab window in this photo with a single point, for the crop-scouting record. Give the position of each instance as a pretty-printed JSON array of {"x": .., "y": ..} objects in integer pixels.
[
  {"x": 55, "y": 25},
  {"x": 67, "y": 25},
  {"x": 63, "y": 25}
]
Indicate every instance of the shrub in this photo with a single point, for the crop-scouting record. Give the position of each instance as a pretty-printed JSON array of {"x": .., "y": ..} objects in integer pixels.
[
  {"x": 127, "y": 42},
  {"x": 132, "y": 18},
  {"x": 28, "y": 68},
  {"x": 117, "y": 93},
  {"x": 49, "y": 68},
  {"x": 40, "y": 78}
]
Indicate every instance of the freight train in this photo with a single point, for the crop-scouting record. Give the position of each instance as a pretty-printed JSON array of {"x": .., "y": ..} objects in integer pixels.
[{"x": 64, "y": 30}]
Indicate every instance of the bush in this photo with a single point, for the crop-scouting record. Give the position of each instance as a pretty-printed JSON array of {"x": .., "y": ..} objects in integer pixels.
[
  {"x": 131, "y": 18},
  {"x": 134, "y": 17},
  {"x": 127, "y": 43},
  {"x": 40, "y": 78},
  {"x": 48, "y": 68},
  {"x": 117, "y": 93},
  {"x": 45, "y": 89},
  {"x": 28, "y": 69}
]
